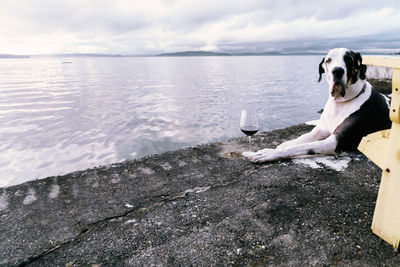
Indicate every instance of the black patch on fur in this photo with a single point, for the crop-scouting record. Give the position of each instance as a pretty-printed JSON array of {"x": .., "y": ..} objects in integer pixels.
[
  {"x": 310, "y": 152},
  {"x": 351, "y": 66},
  {"x": 372, "y": 116},
  {"x": 362, "y": 67},
  {"x": 321, "y": 69},
  {"x": 354, "y": 66}
]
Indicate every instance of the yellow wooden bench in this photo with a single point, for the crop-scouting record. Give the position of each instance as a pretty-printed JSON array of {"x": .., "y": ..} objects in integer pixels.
[{"x": 383, "y": 148}]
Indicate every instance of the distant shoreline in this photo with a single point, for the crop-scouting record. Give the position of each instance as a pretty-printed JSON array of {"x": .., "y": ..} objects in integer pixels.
[
  {"x": 13, "y": 56},
  {"x": 185, "y": 54},
  {"x": 205, "y": 53}
]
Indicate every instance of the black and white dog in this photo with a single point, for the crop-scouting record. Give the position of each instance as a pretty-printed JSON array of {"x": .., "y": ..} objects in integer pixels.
[{"x": 353, "y": 110}]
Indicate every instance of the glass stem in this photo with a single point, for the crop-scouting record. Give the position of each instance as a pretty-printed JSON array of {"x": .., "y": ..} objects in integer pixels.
[{"x": 249, "y": 140}]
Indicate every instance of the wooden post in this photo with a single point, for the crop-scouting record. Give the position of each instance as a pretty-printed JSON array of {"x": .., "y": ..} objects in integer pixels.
[{"x": 383, "y": 148}]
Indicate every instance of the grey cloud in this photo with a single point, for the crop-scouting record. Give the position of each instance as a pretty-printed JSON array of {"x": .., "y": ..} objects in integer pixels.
[{"x": 124, "y": 27}]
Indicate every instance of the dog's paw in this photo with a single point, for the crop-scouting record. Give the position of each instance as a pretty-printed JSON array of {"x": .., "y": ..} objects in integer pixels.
[{"x": 265, "y": 155}]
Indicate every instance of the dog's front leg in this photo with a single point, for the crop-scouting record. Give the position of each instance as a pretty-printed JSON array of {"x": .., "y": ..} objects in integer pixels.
[
  {"x": 326, "y": 146},
  {"x": 317, "y": 133}
]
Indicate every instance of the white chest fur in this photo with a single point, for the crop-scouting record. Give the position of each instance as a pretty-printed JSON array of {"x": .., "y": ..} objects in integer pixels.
[{"x": 336, "y": 112}]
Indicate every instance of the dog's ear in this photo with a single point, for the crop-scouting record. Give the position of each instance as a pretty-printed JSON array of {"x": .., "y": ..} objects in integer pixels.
[
  {"x": 321, "y": 69},
  {"x": 362, "y": 68}
]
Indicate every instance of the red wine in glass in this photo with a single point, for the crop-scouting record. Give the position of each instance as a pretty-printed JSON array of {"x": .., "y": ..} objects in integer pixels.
[
  {"x": 249, "y": 130},
  {"x": 249, "y": 123}
]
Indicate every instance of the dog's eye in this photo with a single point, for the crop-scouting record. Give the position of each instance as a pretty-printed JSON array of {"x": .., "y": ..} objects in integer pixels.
[{"x": 328, "y": 60}]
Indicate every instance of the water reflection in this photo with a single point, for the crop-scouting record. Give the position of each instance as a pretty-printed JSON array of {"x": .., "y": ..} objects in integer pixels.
[{"x": 57, "y": 118}]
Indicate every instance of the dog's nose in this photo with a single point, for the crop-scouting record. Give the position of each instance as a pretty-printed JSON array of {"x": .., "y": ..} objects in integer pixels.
[{"x": 338, "y": 72}]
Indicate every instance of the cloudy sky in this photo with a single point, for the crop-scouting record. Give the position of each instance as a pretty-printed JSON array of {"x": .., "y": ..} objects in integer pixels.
[{"x": 155, "y": 26}]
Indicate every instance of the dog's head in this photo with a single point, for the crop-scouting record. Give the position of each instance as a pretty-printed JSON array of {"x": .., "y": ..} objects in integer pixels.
[{"x": 343, "y": 68}]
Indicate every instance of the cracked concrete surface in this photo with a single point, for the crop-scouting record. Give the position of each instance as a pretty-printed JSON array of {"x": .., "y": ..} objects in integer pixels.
[{"x": 198, "y": 206}]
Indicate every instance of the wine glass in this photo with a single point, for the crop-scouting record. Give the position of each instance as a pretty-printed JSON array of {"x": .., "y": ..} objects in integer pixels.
[{"x": 249, "y": 123}]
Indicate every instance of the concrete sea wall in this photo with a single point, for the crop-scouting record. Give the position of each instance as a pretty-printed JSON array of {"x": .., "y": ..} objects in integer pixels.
[{"x": 204, "y": 205}]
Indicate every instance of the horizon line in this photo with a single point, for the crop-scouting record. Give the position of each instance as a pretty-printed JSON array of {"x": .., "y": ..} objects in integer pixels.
[{"x": 187, "y": 53}]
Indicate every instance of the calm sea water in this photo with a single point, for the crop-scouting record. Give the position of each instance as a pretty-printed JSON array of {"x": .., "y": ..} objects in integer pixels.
[{"x": 58, "y": 117}]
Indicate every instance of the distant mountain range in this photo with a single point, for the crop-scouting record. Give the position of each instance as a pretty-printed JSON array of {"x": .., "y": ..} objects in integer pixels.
[
  {"x": 205, "y": 53},
  {"x": 192, "y": 54}
]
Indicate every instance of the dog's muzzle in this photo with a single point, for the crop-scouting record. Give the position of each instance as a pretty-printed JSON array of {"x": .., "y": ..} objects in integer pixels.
[{"x": 338, "y": 86}]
